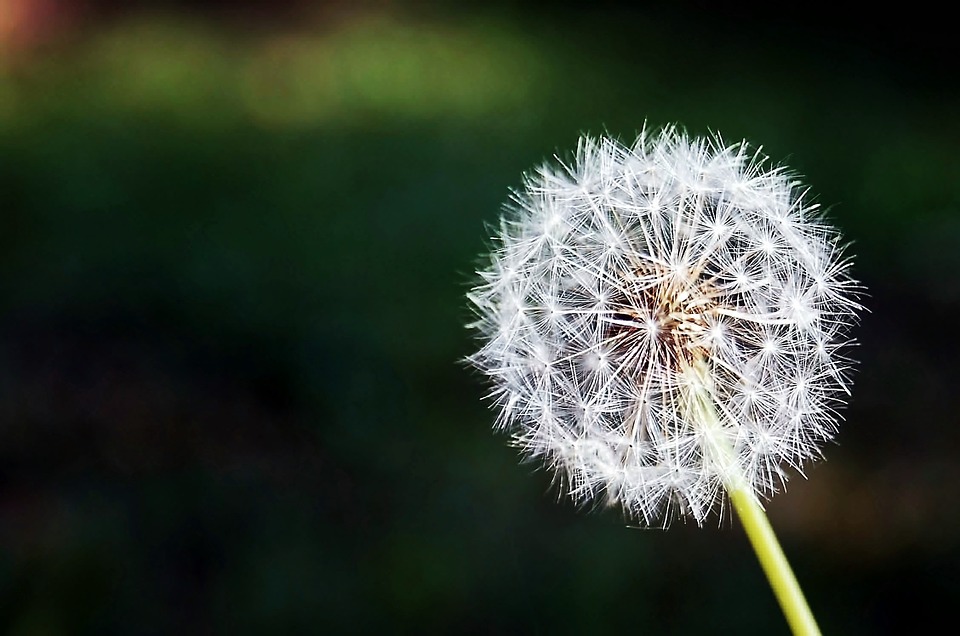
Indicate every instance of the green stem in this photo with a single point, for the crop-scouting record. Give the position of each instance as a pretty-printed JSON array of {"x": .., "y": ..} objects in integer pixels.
[
  {"x": 774, "y": 562},
  {"x": 719, "y": 447}
]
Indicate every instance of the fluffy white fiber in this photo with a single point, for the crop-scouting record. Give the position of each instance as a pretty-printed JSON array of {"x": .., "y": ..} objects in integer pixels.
[{"x": 622, "y": 278}]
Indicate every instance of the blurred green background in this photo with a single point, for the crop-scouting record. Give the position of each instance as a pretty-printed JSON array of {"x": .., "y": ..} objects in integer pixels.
[{"x": 234, "y": 244}]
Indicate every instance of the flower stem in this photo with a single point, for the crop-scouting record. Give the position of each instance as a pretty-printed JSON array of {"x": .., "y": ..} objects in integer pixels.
[
  {"x": 774, "y": 562},
  {"x": 719, "y": 445}
]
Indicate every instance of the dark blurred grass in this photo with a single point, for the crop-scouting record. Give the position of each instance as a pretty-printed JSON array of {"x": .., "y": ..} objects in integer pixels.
[{"x": 233, "y": 262}]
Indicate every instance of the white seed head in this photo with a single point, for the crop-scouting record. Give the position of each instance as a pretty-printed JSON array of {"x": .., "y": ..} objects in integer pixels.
[{"x": 622, "y": 278}]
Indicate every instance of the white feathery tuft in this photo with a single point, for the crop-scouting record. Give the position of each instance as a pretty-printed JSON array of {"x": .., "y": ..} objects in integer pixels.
[{"x": 622, "y": 279}]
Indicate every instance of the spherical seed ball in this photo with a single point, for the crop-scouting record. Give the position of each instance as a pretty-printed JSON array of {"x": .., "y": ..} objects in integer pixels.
[{"x": 614, "y": 276}]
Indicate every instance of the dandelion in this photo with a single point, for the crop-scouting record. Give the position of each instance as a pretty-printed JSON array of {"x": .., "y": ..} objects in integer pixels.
[{"x": 666, "y": 322}]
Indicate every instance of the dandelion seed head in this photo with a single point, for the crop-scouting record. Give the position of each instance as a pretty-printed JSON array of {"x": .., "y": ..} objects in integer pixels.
[{"x": 629, "y": 278}]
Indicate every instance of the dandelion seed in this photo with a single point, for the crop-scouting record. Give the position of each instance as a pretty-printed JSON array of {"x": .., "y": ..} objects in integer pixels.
[{"x": 665, "y": 322}]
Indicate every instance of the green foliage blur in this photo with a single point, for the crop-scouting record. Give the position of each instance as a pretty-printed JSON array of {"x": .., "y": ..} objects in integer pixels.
[{"x": 233, "y": 254}]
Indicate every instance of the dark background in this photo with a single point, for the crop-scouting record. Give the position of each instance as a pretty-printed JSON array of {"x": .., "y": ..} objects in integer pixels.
[{"x": 234, "y": 244}]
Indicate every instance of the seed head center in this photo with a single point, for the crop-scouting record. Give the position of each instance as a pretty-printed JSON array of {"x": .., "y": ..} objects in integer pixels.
[{"x": 671, "y": 312}]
